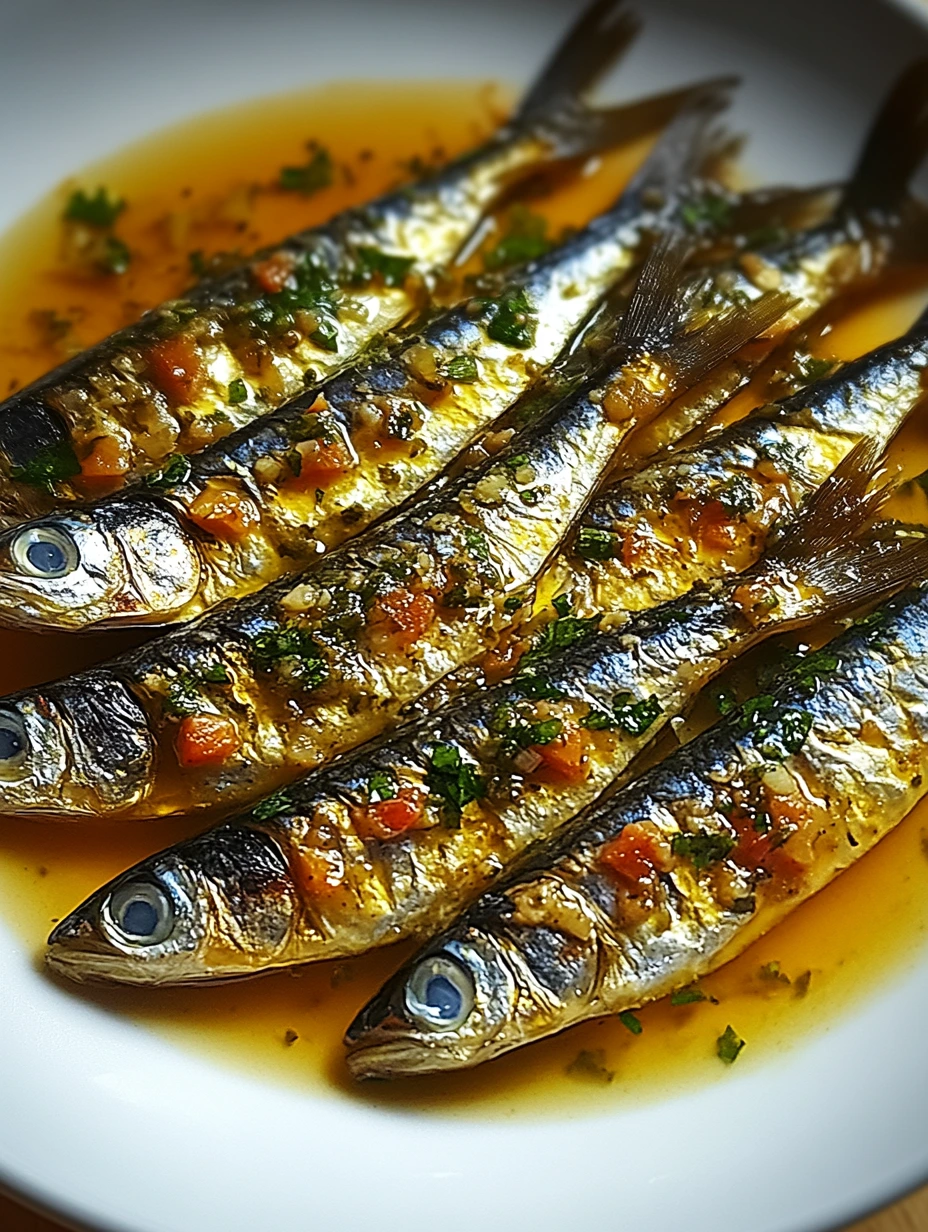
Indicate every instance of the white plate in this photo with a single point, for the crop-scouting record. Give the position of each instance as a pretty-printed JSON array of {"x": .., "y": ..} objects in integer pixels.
[{"x": 114, "y": 1127}]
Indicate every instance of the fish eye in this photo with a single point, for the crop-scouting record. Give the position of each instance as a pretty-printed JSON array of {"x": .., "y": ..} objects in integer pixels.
[
  {"x": 440, "y": 993},
  {"x": 141, "y": 912},
  {"x": 14, "y": 743},
  {"x": 45, "y": 552}
]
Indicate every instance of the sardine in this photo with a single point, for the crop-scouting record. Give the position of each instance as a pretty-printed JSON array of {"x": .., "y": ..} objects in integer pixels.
[
  {"x": 252, "y": 694},
  {"x": 237, "y": 346},
  {"x": 681, "y": 870},
  {"x": 268, "y": 499},
  {"x": 395, "y": 840}
]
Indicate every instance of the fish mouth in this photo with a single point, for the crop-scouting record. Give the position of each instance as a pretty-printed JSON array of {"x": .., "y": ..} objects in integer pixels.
[{"x": 395, "y": 1058}]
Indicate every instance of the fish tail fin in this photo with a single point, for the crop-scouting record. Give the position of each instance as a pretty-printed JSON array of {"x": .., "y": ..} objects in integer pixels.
[
  {"x": 655, "y": 321},
  {"x": 555, "y": 105},
  {"x": 895, "y": 147},
  {"x": 834, "y": 548},
  {"x": 688, "y": 144},
  {"x": 603, "y": 32}
]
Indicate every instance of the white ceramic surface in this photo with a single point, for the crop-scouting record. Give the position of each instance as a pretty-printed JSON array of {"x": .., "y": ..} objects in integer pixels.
[{"x": 114, "y": 1127}]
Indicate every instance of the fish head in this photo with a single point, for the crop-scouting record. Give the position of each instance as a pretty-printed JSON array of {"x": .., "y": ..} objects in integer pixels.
[
  {"x": 446, "y": 1009},
  {"x": 196, "y": 911},
  {"x": 125, "y": 559},
  {"x": 82, "y": 746}
]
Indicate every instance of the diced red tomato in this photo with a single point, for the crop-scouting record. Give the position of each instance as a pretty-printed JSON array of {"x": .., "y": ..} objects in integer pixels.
[
  {"x": 176, "y": 367},
  {"x": 223, "y": 513},
  {"x": 714, "y": 528},
  {"x": 320, "y": 463},
  {"x": 388, "y": 817},
  {"x": 633, "y": 854},
  {"x": 106, "y": 463},
  {"x": 206, "y": 740},
  {"x": 272, "y": 273},
  {"x": 567, "y": 755},
  {"x": 404, "y": 615}
]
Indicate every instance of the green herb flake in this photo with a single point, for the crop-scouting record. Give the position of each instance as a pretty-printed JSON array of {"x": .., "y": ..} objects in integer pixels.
[
  {"x": 272, "y": 806},
  {"x": 371, "y": 263},
  {"x": 801, "y": 984},
  {"x": 48, "y": 466},
  {"x": 812, "y": 667},
  {"x": 455, "y": 781},
  {"x": 510, "y": 319},
  {"x": 461, "y": 368},
  {"x": 737, "y": 495},
  {"x": 636, "y": 717},
  {"x": 293, "y": 648},
  {"x": 238, "y": 392},
  {"x": 595, "y": 544},
  {"x": 175, "y": 471},
  {"x": 215, "y": 673},
  {"x": 725, "y": 702},
  {"x": 561, "y": 605},
  {"x": 702, "y": 849},
  {"x": 381, "y": 786},
  {"x": 325, "y": 335},
  {"x": 770, "y": 972},
  {"x": 728, "y": 1046},
  {"x": 813, "y": 368},
  {"x": 559, "y": 635},
  {"x": 476, "y": 543},
  {"x": 100, "y": 210},
  {"x": 317, "y": 173},
  {"x": 710, "y": 211},
  {"x": 525, "y": 239},
  {"x": 590, "y": 1065},
  {"x": 197, "y": 262},
  {"x": 537, "y": 689},
  {"x": 631, "y": 1022},
  {"x": 518, "y": 733},
  {"x": 513, "y": 603},
  {"x": 687, "y": 996},
  {"x": 183, "y": 697}
]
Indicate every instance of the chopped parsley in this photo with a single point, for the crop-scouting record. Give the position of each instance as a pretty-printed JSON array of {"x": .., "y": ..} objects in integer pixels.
[
  {"x": 176, "y": 470},
  {"x": 238, "y": 392},
  {"x": 100, "y": 210},
  {"x": 771, "y": 973},
  {"x": 381, "y": 786},
  {"x": 560, "y": 634},
  {"x": 215, "y": 673},
  {"x": 525, "y": 239},
  {"x": 537, "y": 689},
  {"x": 631, "y": 1022},
  {"x": 595, "y": 544},
  {"x": 461, "y": 368},
  {"x": 48, "y": 466},
  {"x": 510, "y": 319},
  {"x": 812, "y": 368},
  {"x": 455, "y": 781},
  {"x": 517, "y": 733},
  {"x": 317, "y": 173},
  {"x": 632, "y": 717},
  {"x": 725, "y": 702},
  {"x": 371, "y": 263},
  {"x": 728, "y": 1046},
  {"x": 476, "y": 543},
  {"x": 590, "y": 1064},
  {"x": 293, "y": 649},
  {"x": 710, "y": 212},
  {"x": 183, "y": 697},
  {"x": 702, "y": 849},
  {"x": 777, "y": 733},
  {"x": 272, "y": 806},
  {"x": 513, "y": 603},
  {"x": 687, "y": 996},
  {"x": 812, "y": 667}
]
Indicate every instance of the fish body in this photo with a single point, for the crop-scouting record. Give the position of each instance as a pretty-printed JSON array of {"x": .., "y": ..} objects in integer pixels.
[
  {"x": 237, "y": 346},
  {"x": 394, "y": 840},
  {"x": 275, "y": 494},
  {"x": 682, "y": 869}
]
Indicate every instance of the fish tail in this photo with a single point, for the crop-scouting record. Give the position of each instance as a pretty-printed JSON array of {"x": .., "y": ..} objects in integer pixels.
[
  {"x": 689, "y": 143},
  {"x": 895, "y": 147},
  {"x": 603, "y": 32},
  {"x": 655, "y": 322},
  {"x": 556, "y": 107},
  {"x": 834, "y": 546}
]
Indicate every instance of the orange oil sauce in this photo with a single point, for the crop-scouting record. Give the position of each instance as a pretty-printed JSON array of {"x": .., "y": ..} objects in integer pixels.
[{"x": 206, "y": 186}]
